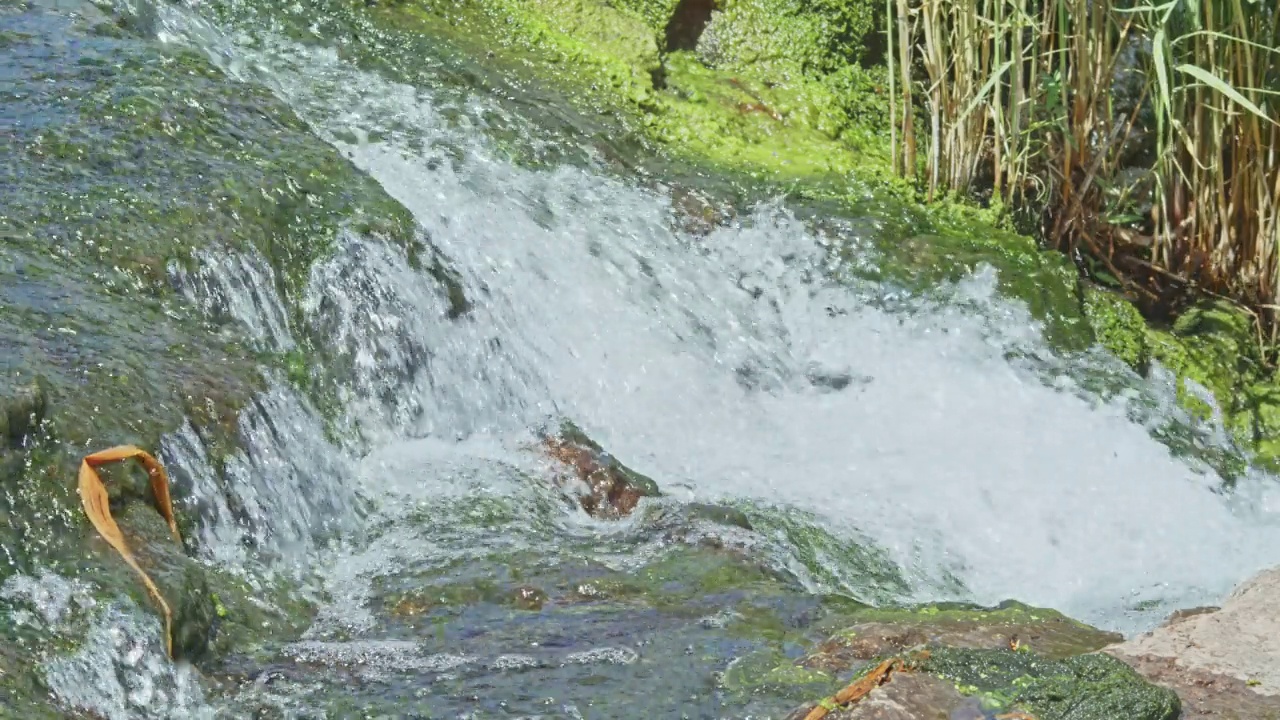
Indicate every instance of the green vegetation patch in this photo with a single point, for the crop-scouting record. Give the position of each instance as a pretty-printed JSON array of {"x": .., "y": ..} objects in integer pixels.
[
  {"x": 1084, "y": 687},
  {"x": 771, "y": 115}
]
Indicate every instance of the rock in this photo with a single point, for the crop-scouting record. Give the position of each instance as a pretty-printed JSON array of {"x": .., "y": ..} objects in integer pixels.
[
  {"x": 183, "y": 581},
  {"x": 973, "y": 663},
  {"x": 908, "y": 696},
  {"x": 612, "y": 489},
  {"x": 1223, "y": 663},
  {"x": 886, "y": 632},
  {"x": 22, "y": 409}
]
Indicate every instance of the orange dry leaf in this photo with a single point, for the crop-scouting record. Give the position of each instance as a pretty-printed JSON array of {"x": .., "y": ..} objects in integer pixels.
[
  {"x": 96, "y": 505},
  {"x": 1016, "y": 716}
]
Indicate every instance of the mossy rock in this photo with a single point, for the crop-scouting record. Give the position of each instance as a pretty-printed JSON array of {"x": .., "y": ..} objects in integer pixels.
[
  {"x": 1213, "y": 344},
  {"x": 876, "y": 632},
  {"x": 983, "y": 683},
  {"x": 1085, "y": 687},
  {"x": 1259, "y": 422},
  {"x": 1119, "y": 327}
]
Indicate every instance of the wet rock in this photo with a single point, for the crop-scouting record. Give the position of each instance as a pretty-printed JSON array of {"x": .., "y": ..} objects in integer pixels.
[
  {"x": 994, "y": 683},
  {"x": 884, "y": 632},
  {"x": 972, "y": 663},
  {"x": 908, "y": 696},
  {"x": 1223, "y": 663},
  {"x": 22, "y": 409},
  {"x": 183, "y": 581},
  {"x": 612, "y": 489}
]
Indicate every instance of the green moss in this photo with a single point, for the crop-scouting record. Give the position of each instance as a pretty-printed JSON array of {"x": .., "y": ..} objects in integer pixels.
[
  {"x": 1119, "y": 327},
  {"x": 784, "y": 36},
  {"x": 776, "y": 131},
  {"x": 1214, "y": 345},
  {"x": 752, "y": 117},
  {"x": 1211, "y": 344},
  {"x": 768, "y": 670},
  {"x": 1085, "y": 687},
  {"x": 1261, "y": 422},
  {"x": 655, "y": 13}
]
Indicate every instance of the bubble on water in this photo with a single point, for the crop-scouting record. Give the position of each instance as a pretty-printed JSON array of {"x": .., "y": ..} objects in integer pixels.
[{"x": 603, "y": 656}]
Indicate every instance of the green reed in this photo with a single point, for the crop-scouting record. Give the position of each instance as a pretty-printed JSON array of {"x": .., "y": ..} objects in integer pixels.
[{"x": 1147, "y": 137}]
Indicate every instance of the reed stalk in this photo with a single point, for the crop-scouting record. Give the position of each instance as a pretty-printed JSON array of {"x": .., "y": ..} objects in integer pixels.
[{"x": 1043, "y": 103}]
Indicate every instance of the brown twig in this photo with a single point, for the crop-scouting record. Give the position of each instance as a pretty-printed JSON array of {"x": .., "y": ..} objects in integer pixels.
[{"x": 859, "y": 688}]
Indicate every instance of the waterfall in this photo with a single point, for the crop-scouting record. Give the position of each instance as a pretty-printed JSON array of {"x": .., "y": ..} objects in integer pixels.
[{"x": 738, "y": 365}]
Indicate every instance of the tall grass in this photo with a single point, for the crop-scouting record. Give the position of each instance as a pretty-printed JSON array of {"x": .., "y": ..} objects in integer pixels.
[{"x": 1146, "y": 136}]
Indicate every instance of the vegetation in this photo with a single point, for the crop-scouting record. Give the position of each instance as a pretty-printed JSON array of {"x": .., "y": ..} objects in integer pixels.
[{"x": 1140, "y": 138}]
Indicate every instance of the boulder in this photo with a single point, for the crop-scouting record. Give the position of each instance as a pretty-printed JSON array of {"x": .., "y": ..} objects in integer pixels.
[
  {"x": 1223, "y": 662},
  {"x": 885, "y": 632}
]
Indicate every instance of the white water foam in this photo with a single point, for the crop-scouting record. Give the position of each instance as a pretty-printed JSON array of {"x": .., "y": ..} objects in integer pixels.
[
  {"x": 687, "y": 357},
  {"x": 122, "y": 672}
]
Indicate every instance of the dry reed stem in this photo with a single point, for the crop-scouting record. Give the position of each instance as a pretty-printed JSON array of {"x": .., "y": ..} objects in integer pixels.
[{"x": 1020, "y": 96}]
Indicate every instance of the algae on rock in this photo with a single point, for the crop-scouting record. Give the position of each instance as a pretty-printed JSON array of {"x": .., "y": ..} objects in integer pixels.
[
  {"x": 1008, "y": 658},
  {"x": 1093, "y": 686}
]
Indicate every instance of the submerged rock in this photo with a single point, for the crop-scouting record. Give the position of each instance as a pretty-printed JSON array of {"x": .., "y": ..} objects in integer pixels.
[
  {"x": 612, "y": 489},
  {"x": 1223, "y": 662}
]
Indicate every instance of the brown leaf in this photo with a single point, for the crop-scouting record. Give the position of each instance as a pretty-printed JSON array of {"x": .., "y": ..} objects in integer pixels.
[{"x": 93, "y": 493}]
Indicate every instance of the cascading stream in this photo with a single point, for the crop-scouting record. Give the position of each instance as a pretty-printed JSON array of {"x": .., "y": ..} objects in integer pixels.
[
  {"x": 939, "y": 431},
  {"x": 688, "y": 357}
]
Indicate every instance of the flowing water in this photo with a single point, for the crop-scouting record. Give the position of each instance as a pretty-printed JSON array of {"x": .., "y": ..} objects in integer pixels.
[{"x": 885, "y": 445}]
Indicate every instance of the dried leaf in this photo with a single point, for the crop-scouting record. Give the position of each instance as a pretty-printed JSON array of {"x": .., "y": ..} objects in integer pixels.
[{"x": 93, "y": 494}]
